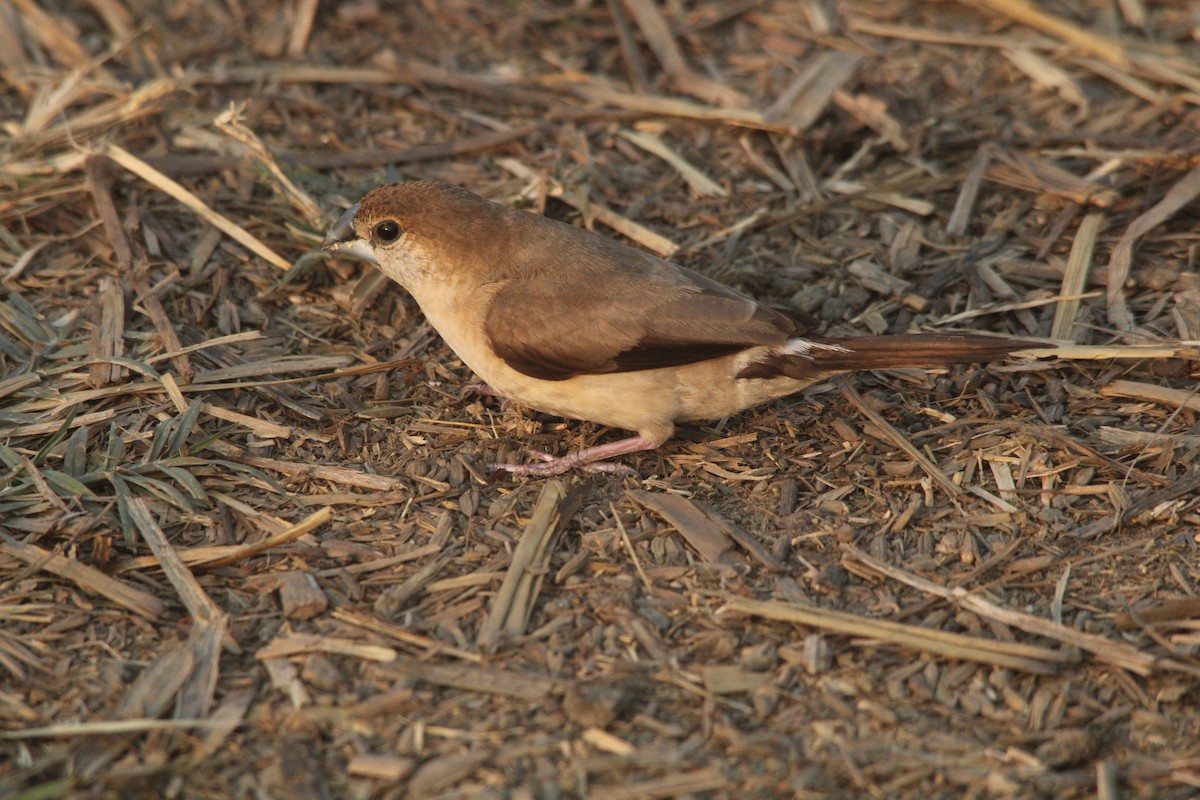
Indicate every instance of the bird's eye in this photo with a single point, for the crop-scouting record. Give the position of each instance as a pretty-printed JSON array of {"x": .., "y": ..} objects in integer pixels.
[{"x": 387, "y": 231}]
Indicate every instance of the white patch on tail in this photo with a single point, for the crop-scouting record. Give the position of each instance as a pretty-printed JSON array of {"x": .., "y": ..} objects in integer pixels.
[{"x": 803, "y": 348}]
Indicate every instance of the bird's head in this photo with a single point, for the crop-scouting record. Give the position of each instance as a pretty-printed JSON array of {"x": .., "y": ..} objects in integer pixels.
[{"x": 411, "y": 231}]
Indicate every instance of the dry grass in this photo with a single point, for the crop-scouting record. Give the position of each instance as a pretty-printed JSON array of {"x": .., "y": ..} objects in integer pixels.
[{"x": 248, "y": 544}]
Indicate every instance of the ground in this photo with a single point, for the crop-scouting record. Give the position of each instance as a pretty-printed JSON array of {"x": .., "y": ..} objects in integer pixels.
[{"x": 250, "y": 543}]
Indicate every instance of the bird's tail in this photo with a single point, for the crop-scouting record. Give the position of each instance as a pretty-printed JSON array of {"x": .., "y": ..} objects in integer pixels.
[
  {"x": 818, "y": 358},
  {"x": 843, "y": 354}
]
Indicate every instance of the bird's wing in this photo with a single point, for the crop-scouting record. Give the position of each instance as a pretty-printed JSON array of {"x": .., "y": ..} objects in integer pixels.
[{"x": 614, "y": 309}]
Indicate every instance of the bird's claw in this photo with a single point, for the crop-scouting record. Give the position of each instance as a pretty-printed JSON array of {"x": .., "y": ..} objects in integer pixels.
[{"x": 555, "y": 465}]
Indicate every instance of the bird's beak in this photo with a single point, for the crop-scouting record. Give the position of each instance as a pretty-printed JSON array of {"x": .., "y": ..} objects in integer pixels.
[
  {"x": 342, "y": 230},
  {"x": 343, "y": 240}
]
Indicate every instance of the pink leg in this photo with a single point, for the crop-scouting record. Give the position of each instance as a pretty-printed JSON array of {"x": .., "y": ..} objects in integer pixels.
[{"x": 585, "y": 459}]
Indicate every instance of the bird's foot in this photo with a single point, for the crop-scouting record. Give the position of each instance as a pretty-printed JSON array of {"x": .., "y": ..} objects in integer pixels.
[
  {"x": 589, "y": 459},
  {"x": 553, "y": 465}
]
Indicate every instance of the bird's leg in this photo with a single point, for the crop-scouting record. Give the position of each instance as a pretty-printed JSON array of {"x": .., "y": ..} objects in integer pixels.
[{"x": 589, "y": 459}]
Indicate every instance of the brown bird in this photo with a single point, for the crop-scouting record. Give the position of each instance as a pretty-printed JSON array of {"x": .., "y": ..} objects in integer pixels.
[{"x": 575, "y": 324}]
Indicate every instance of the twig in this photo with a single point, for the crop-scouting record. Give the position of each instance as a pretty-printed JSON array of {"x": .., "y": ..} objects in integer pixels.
[
  {"x": 1112, "y": 652},
  {"x": 177, "y": 191},
  {"x": 1030, "y": 658},
  {"x": 931, "y": 469},
  {"x": 1075, "y": 277}
]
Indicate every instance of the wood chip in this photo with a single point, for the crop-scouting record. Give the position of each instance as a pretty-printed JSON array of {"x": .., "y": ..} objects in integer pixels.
[
  {"x": 177, "y": 191},
  {"x": 305, "y": 526},
  {"x": 705, "y": 779},
  {"x": 490, "y": 680},
  {"x": 1075, "y": 279},
  {"x": 108, "y": 338},
  {"x": 1182, "y": 193},
  {"x": 1029, "y": 658},
  {"x": 87, "y": 578},
  {"x": 299, "y": 643},
  {"x": 603, "y": 740},
  {"x": 513, "y": 603},
  {"x": 150, "y": 694},
  {"x": 300, "y": 595},
  {"x": 658, "y": 36},
  {"x": 647, "y": 238},
  {"x": 924, "y": 462},
  {"x": 709, "y": 539},
  {"x": 439, "y": 773},
  {"x": 261, "y": 427},
  {"x": 1159, "y": 612},
  {"x": 1023, "y": 171},
  {"x": 1110, "y": 651},
  {"x": 1044, "y": 73},
  {"x": 675, "y": 107},
  {"x": 732, "y": 679},
  {"x": 700, "y": 184},
  {"x": 1172, "y": 398},
  {"x": 1027, "y": 13},
  {"x": 381, "y": 767},
  {"x": 803, "y": 102}
]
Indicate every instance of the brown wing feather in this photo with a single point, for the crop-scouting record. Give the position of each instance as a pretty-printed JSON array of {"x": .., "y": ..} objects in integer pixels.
[{"x": 630, "y": 311}]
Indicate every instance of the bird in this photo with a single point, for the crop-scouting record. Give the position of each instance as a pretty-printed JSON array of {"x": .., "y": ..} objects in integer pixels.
[{"x": 578, "y": 325}]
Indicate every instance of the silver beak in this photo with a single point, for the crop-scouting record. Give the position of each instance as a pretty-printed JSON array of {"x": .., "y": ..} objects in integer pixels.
[
  {"x": 342, "y": 239},
  {"x": 342, "y": 230}
]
